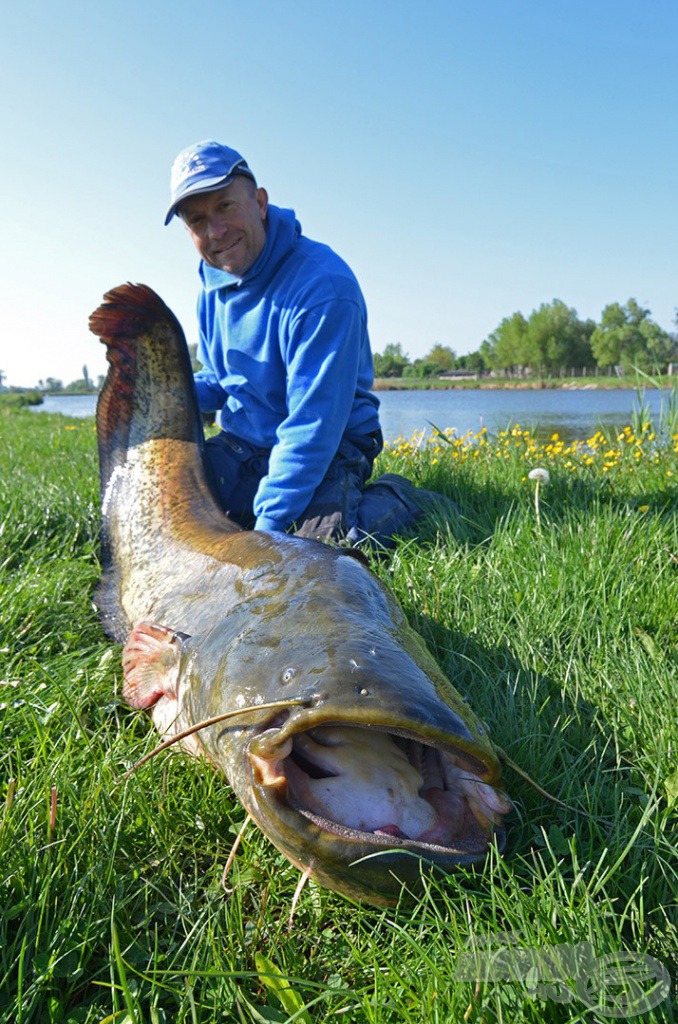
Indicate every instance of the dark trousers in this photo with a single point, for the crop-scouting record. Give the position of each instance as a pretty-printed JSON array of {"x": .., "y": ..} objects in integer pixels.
[{"x": 236, "y": 467}]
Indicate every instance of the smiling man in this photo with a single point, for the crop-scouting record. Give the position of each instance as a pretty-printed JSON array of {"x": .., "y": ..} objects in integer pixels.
[
  {"x": 227, "y": 226},
  {"x": 286, "y": 362}
]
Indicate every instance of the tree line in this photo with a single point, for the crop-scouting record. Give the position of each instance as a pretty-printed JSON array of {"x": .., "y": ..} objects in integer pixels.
[
  {"x": 82, "y": 386},
  {"x": 549, "y": 342}
]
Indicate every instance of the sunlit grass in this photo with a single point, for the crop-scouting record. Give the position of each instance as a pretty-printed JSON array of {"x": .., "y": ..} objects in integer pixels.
[
  {"x": 561, "y": 632},
  {"x": 599, "y": 454}
]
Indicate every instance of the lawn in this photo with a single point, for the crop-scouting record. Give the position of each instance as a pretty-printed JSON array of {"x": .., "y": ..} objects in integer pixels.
[{"x": 554, "y": 611}]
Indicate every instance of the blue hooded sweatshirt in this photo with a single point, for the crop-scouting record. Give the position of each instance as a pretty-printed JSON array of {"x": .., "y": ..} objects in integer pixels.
[{"x": 286, "y": 358}]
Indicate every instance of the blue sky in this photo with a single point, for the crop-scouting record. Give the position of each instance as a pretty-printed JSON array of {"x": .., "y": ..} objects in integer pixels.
[{"x": 467, "y": 160}]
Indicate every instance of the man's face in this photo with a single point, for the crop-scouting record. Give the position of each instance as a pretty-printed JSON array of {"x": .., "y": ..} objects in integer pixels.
[{"x": 228, "y": 227}]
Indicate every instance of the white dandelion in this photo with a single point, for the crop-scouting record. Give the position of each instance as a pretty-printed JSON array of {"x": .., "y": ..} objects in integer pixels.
[{"x": 538, "y": 476}]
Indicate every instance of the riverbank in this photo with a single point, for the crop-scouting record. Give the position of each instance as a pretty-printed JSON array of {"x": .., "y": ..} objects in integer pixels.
[
  {"x": 550, "y": 384},
  {"x": 428, "y": 384},
  {"x": 33, "y": 398},
  {"x": 19, "y": 399}
]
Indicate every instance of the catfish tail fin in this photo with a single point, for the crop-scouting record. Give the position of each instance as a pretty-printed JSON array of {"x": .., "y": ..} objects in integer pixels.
[
  {"x": 127, "y": 311},
  {"x": 148, "y": 395},
  {"x": 149, "y": 391}
]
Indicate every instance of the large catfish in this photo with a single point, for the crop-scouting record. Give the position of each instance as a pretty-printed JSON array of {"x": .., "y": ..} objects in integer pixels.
[{"x": 377, "y": 753}]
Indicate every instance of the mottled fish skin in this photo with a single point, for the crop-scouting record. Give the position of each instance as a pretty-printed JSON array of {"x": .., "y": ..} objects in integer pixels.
[{"x": 252, "y": 618}]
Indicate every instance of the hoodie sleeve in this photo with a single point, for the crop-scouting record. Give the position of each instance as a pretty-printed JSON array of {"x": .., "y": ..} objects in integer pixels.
[{"x": 322, "y": 360}]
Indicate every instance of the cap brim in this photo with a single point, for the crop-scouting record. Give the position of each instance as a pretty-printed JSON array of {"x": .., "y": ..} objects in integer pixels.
[{"x": 211, "y": 185}]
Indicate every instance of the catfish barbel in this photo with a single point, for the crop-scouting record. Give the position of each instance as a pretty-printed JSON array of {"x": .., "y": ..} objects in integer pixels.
[{"x": 376, "y": 753}]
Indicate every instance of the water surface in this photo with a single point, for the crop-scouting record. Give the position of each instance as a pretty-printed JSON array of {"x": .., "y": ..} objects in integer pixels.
[
  {"x": 575, "y": 415},
  {"x": 68, "y": 405}
]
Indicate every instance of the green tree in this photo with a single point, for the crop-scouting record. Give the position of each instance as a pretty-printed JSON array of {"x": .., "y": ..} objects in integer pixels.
[
  {"x": 485, "y": 353},
  {"x": 391, "y": 362},
  {"x": 557, "y": 338},
  {"x": 627, "y": 337},
  {"x": 582, "y": 354},
  {"x": 472, "y": 361},
  {"x": 423, "y": 368},
  {"x": 506, "y": 347},
  {"x": 445, "y": 357},
  {"x": 193, "y": 356}
]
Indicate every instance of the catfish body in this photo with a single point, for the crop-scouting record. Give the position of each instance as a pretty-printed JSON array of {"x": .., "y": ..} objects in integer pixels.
[{"x": 377, "y": 753}]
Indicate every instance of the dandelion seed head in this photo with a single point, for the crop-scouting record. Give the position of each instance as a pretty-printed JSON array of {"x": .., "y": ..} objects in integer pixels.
[{"x": 539, "y": 475}]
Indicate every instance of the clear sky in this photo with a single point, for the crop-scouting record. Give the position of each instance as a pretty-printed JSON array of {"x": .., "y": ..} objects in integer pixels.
[{"x": 466, "y": 159}]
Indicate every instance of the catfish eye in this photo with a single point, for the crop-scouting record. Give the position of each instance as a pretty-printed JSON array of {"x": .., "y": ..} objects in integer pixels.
[{"x": 288, "y": 675}]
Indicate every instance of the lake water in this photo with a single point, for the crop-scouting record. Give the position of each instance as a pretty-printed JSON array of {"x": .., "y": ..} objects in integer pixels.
[
  {"x": 68, "y": 405},
  {"x": 575, "y": 415},
  {"x": 572, "y": 414}
]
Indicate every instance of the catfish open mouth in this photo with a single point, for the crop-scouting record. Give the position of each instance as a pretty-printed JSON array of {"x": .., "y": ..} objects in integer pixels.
[{"x": 384, "y": 788}]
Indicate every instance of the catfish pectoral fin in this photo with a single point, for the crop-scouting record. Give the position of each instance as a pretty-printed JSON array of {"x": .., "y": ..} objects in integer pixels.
[{"x": 150, "y": 661}]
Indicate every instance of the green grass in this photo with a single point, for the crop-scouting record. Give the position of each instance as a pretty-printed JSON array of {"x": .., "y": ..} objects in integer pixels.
[
  {"x": 562, "y": 634},
  {"x": 18, "y": 399}
]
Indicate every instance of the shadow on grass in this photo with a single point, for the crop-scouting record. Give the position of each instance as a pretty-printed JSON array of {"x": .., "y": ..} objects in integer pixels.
[{"x": 564, "y": 744}]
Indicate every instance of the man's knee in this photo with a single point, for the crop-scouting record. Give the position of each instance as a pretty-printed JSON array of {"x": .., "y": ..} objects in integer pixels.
[{"x": 393, "y": 506}]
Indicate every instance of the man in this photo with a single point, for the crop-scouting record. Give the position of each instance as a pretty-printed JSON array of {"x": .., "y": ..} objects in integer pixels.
[{"x": 286, "y": 362}]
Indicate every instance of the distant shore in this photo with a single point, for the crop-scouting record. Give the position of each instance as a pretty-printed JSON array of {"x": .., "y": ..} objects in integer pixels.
[
  {"x": 548, "y": 384},
  {"x": 33, "y": 397}
]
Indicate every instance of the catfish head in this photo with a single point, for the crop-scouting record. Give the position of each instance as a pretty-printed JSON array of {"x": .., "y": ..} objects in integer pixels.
[{"x": 376, "y": 770}]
